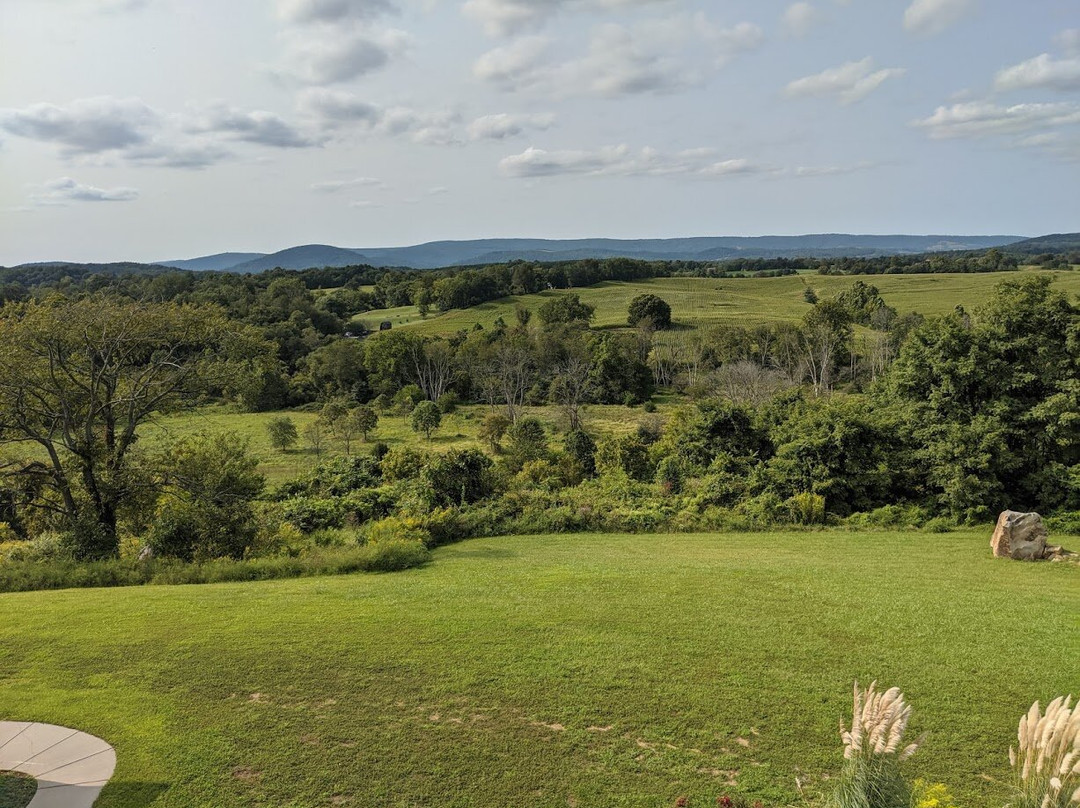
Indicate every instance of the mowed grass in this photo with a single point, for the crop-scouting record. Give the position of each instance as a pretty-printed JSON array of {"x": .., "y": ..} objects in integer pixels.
[
  {"x": 698, "y": 302},
  {"x": 457, "y": 431},
  {"x": 549, "y": 671}
]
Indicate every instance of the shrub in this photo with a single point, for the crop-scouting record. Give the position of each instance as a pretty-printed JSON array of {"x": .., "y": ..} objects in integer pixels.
[
  {"x": 931, "y": 795},
  {"x": 448, "y": 403},
  {"x": 492, "y": 429},
  {"x": 459, "y": 477},
  {"x": 649, "y": 407},
  {"x": 528, "y": 441},
  {"x": 650, "y": 308},
  {"x": 401, "y": 463},
  {"x": 311, "y": 513},
  {"x": 396, "y": 529},
  {"x": 670, "y": 475},
  {"x": 807, "y": 508},
  {"x": 582, "y": 448},
  {"x": 1046, "y": 762},
  {"x": 379, "y": 450},
  {"x": 626, "y": 455},
  {"x": 939, "y": 524}
]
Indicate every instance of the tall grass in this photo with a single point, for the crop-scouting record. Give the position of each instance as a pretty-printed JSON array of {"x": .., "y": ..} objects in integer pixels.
[
  {"x": 873, "y": 751},
  {"x": 1047, "y": 762},
  {"x": 389, "y": 556}
]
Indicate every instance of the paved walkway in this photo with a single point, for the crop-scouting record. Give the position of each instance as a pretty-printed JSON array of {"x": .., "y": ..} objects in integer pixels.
[{"x": 71, "y": 767}]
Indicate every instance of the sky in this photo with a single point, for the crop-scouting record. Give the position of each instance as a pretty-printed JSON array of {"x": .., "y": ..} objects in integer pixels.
[{"x": 163, "y": 129}]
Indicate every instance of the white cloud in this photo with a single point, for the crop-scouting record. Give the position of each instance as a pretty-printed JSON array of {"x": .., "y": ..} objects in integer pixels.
[
  {"x": 334, "y": 108},
  {"x": 335, "y": 111},
  {"x": 339, "y": 55},
  {"x": 508, "y": 17},
  {"x": 334, "y": 186},
  {"x": 849, "y": 82},
  {"x": 331, "y": 11},
  {"x": 930, "y": 17},
  {"x": 977, "y": 119},
  {"x": 256, "y": 126},
  {"x": 1042, "y": 72},
  {"x": 800, "y": 18},
  {"x": 64, "y": 190},
  {"x": 657, "y": 57},
  {"x": 86, "y": 126},
  {"x": 505, "y": 125},
  {"x": 623, "y": 161},
  {"x": 514, "y": 65}
]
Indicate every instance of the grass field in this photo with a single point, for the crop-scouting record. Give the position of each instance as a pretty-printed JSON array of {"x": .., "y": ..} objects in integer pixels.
[
  {"x": 551, "y": 671},
  {"x": 457, "y": 431},
  {"x": 16, "y": 790},
  {"x": 701, "y": 301}
]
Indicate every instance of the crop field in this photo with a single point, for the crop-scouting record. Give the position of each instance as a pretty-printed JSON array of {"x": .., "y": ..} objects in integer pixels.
[
  {"x": 697, "y": 302},
  {"x": 591, "y": 671}
]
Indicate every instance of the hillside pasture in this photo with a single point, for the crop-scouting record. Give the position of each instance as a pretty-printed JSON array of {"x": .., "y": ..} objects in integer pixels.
[
  {"x": 699, "y": 302},
  {"x": 546, "y": 671}
]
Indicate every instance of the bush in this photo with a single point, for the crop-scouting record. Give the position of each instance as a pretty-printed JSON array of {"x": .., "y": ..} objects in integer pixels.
[
  {"x": 624, "y": 455},
  {"x": 448, "y": 403},
  {"x": 807, "y": 508},
  {"x": 651, "y": 309},
  {"x": 528, "y": 441},
  {"x": 426, "y": 417},
  {"x": 492, "y": 429},
  {"x": 582, "y": 448},
  {"x": 649, "y": 407},
  {"x": 459, "y": 477},
  {"x": 401, "y": 463},
  {"x": 939, "y": 524},
  {"x": 670, "y": 475},
  {"x": 312, "y": 513},
  {"x": 395, "y": 529}
]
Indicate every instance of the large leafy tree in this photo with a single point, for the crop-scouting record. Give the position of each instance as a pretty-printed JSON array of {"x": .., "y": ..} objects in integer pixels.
[
  {"x": 79, "y": 379},
  {"x": 994, "y": 401}
]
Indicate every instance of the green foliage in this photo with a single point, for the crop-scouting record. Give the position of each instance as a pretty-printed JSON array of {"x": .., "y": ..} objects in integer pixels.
[
  {"x": 401, "y": 463},
  {"x": 282, "y": 433},
  {"x": 626, "y": 455},
  {"x": 448, "y": 403},
  {"x": 527, "y": 441},
  {"x": 16, "y": 789},
  {"x": 670, "y": 475},
  {"x": 566, "y": 308},
  {"x": 426, "y": 417},
  {"x": 582, "y": 448},
  {"x": 494, "y": 426},
  {"x": 807, "y": 508},
  {"x": 931, "y": 795},
  {"x": 459, "y": 477},
  {"x": 649, "y": 309},
  {"x": 396, "y": 529},
  {"x": 871, "y": 783},
  {"x": 383, "y": 557},
  {"x": 206, "y": 511}
]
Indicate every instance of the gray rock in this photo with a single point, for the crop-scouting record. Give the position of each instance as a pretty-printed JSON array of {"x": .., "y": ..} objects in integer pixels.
[{"x": 1019, "y": 536}]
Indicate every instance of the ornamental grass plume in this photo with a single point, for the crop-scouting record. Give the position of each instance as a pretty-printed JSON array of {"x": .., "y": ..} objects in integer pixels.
[
  {"x": 1047, "y": 761},
  {"x": 878, "y": 721},
  {"x": 873, "y": 750}
]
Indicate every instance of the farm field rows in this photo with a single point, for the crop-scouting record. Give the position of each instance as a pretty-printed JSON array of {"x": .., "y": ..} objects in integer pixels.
[
  {"x": 697, "y": 302},
  {"x": 551, "y": 671}
]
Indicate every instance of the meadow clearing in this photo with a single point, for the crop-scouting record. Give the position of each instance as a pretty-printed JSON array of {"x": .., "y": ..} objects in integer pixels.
[
  {"x": 697, "y": 302},
  {"x": 551, "y": 671}
]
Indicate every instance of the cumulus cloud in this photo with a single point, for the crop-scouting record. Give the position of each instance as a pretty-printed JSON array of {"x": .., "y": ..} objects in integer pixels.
[
  {"x": 506, "y": 125},
  {"x": 849, "y": 82},
  {"x": 1042, "y": 72},
  {"x": 930, "y": 17},
  {"x": 338, "y": 55},
  {"x": 257, "y": 126},
  {"x": 799, "y": 18},
  {"x": 662, "y": 56},
  {"x": 508, "y": 17},
  {"x": 977, "y": 119},
  {"x": 623, "y": 161},
  {"x": 336, "y": 111},
  {"x": 65, "y": 190},
  {"x": 331, "y": 11},
  {"x": 86, "y": 126},
  {"x": 514, "y": 65}
]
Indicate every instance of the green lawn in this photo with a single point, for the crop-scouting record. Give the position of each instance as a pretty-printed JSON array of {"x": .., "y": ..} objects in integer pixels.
[
  {"x": 551, "y": 671},
  {"x": 702, "y": 301}
]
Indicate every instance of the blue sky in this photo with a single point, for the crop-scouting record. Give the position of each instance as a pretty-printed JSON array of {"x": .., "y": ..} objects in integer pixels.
[{"x": 158, "y": 129}]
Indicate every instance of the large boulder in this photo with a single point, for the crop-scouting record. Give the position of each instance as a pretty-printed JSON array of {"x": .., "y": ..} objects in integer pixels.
[{"x": 1019, "y": 536}]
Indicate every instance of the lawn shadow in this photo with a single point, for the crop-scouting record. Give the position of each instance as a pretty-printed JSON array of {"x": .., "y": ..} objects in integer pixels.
[{"x": 132, "y": 794}]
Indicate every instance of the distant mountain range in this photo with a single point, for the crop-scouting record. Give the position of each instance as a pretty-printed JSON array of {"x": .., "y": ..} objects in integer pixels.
[
  {"x": 437, "y": 254},
  {"x": 489, "y": 251}
]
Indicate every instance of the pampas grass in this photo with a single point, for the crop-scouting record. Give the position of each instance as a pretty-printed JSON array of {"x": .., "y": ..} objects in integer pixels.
[
  {"x": 873, "y": 750},
  {"x": 1047, "y": 760}
]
